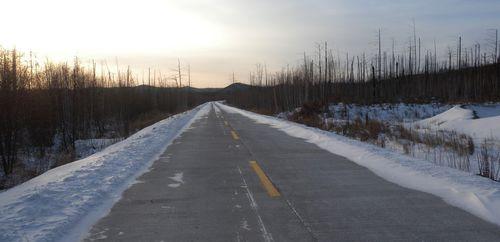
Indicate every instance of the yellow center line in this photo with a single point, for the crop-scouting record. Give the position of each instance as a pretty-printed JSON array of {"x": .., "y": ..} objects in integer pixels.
[
  {"x": 266, "y": 183},
  {"x": 235, "y": 135}
]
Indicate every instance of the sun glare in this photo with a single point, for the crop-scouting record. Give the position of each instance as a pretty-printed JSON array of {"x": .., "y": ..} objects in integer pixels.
[{"x": 67, "y": 28}]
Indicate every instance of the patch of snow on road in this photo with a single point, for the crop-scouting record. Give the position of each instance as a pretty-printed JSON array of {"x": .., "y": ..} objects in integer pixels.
[
  {"x": 477, "y": 195},
  {"x": 63, "y": 203},
  {"x": 178, "y": 179},
  {"x": 217, "y": 110},
  {"x": 244, "y": 225}
]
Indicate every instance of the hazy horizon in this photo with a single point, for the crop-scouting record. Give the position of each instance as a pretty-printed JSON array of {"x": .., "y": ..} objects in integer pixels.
[{"x": 218, "y": 37}]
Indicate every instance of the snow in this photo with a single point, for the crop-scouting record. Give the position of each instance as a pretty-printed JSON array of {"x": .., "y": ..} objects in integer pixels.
[
  {"x": 454, "y": 114},
  {"x": 244, "y": 225},
  {"x": 83, "y": 147},
  {"x": 178, "y": 179},
  {"x": 477, "y": 195},
  {"x": 174, "y": 185},
  {"x": 217, "y": 110},
  {"x": 485, "y": 110},
  {"x": 87, "y": 147},
  {"x": 64, "y": 202},
  {"x": 387, "y": 112},
  {"x": 463, "y": 120}
]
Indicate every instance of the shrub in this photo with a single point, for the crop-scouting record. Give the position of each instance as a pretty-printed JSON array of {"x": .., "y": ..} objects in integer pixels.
[{"x": 488, "y": 159}]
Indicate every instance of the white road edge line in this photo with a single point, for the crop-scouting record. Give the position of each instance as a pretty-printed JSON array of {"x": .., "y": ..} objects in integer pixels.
[
  {"x": 304, "y": 223},
  {"x": 267, "y": 236}
]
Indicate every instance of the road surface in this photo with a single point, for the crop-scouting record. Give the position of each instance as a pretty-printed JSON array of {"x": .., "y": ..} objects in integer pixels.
[{"x": 230, "y": 179}]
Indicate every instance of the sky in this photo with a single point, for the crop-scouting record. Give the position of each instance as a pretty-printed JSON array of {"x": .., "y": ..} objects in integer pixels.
[{"x": 219, "y": 37}]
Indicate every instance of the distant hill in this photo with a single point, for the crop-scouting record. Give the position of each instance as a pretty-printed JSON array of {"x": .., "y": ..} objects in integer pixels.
[
  {"x": 229, "y": 89},
  {"x": 193, "y": 89},
  {"x": 208, "y": 89},
  {"x": 235, "y": 87}
]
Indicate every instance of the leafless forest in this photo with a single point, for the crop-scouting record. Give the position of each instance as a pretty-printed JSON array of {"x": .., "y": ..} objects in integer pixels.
[
  {"x": 414, "y": 75},
  {"x": 47, "y": 108}
]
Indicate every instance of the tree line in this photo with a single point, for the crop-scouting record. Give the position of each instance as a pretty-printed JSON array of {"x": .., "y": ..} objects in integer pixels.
[
  {"x": 415, "y": 75},
  {"x": 56, "y": 104}
]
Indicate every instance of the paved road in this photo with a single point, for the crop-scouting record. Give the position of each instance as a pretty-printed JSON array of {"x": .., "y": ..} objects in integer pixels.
[{"x": 205, "y": 188}]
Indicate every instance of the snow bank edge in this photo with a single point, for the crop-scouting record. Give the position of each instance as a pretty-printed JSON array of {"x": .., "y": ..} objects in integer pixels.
[
  {"x": 82, "y": 229},
  {"x": 476, "y": 195}
]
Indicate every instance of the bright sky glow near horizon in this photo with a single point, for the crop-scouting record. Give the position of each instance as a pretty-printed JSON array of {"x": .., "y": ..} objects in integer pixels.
[{"x": 217, "y": 37}]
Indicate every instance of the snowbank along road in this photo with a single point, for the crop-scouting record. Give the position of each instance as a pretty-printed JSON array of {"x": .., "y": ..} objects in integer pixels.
[
  {"x": 229, "y": 178},
  {"x": 218, "y": 173}
]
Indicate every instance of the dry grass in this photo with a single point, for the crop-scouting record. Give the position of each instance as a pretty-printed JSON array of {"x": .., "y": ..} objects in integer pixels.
[
  {"x": 309, "y": 114},
  {"x": 443, "y": 148},
  {"x": 488, "y": 159}
]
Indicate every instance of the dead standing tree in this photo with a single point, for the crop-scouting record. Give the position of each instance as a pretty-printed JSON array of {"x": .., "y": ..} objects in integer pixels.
[{"x": 12, "y": 76}]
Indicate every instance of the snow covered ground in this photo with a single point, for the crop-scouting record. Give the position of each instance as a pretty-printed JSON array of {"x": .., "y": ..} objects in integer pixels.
[
  {"x": 87, "y": 147},
  {"x": 400, "y": 112},
  {"x": 485, "y": 110},
  {"x": 441, "y": 128},
  {"x": 480, "y": 125},
  {"x": 475, "y": 194},
  {"x": 33, "y": 163},
  {"x": 64, "y": 202}
]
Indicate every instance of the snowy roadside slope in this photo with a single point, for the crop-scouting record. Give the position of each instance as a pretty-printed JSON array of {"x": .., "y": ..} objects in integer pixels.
[
  {"x": 453, "y": 114},
  {"x": 477, "y": 195},
  {"x": 64, "y": 202},
  {"x": 462, "y": 121}
]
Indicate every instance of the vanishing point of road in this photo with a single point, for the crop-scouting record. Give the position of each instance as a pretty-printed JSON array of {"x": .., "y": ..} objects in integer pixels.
[{"x": 228, "y": 178}]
